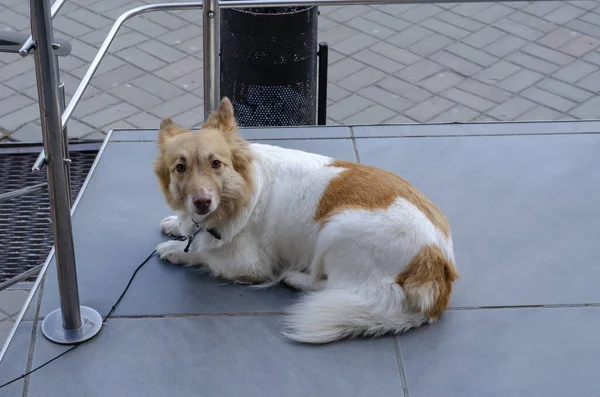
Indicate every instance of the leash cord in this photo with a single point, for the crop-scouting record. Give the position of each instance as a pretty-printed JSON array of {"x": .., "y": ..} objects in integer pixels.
[{"x": 81, "y": 343}]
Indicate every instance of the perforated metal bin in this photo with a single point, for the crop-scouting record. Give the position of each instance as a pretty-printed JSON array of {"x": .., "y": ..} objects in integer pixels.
[{"x": 269, "y": 65}]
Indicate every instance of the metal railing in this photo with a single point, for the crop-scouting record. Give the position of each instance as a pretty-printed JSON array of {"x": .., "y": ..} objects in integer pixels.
[{"x": 54, "y": 121}]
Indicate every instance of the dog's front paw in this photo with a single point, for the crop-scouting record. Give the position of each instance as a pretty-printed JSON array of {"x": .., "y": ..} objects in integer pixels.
[
  {"x": 171, "y": 226},
  {"x": 172, "y": 251}
]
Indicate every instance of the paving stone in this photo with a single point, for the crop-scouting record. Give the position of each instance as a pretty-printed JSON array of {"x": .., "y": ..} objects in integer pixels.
[
  {"x": 144, "y": 120},
  {"x": 385, "y": 19},
  {"x": 467, "y": 99},
  {"x": 70, "y": 63},
  {"x": 21, "y": 82},
  {"x": 179, "y": 68},
  {"x": 12, "y": 300},
  {"x": 128, "y": 40},
  {"x": 116, "y": 77},
  {"x": 521, "y": 80},
  {"x": 421, "y": 12},
  {"x": 376, "y": 114},
  {"x": 400, "y": 119},
  {"x": 370, "y": 27},
  {"x": 446, "y": 29},
  {"x": 540, "y": 113},
  {"x": 593, "y": 57},
  {"x": 132, "y": 94},
  {"x": 77, "y": 129},
  {"x": 336, "y": 93},
  {"x": 547, "y": 54},
  {"x": 584, "y": 27},
  {"x": 430, "y": 44},
  {"x": 141, "y": 59},
  {"x": 419, "y": 71},
  {"x": 15, "y": 119},
  {"x": 530, "y": 62},
  {"x": 16, "y": 68},
  {"x": 591, "y": 82},
  {"x": 493, "y": 13},
  {"x": 157, "y": 87},
  {"x": 69, "y": 26},
  {"x": 93, "y": 104},
  {"x": 565, "y": 90},
  {"x": 558, "y": 38},
  {"x": 89, "y": 18},
  {"x": 343, "y": 69},
  {"x": 388, "y": 99},
  {"x": 518, "y": 29},
  {"x": 180, "y": 35},
  {"x": 484, "y": 37},
  {"x": 347, "y": 107},
  {"x": 175, "y": 106},
  {"x": 458, "y": 113},
  {"x": 587, "y": 110},
  {"x": 193, "y": 118},
  {"x": 191, "y": 82},
  {"x": 471, "y": 54},
  {"x": 5, "y": 92},
  {"x": 541, "y": 8},
  {"x": 96, "y": 135},
  {"x": 365, "y": 77},
  {"x": 469, "y": 9},
  {"x": 505, "y": 46},
  {"x": 355, "y": 43},
  {"x": 146, "y": 27},
  {"x": 548, "y": 99},
  {"x": 409, "y": 36},
  {"x": 581, "y": 45},
  {"x": 110, "y": 115},
  {"x": 458, "y": 20},
  {"x": 564, "y": 14},
  {"x": 404, "y": 89},
  {"x": 511, "y": 109},
  {"x": 14, "y": 20},
  {"x": 82, "y": 50},
  {"x": 429, "y": 108},
  {"x": 192, "y": 47},
  {"x": 345, "y": 14},
  {"x": 168, "y": 20},
  {"x": 397, "y": 54},
  {"x": 575, "y": 71},
  {"x": 30, "y": 132},
  {"x": 458, "y": 64},
  {"x": 13, "y": 103},
  {"x": 532, "y": 22},
  {"x": 377, "y": 61},
  {"x": 497, "y": 72},
  {"x": 109, "y": 63},
  {"x": 441, "y": 81}
]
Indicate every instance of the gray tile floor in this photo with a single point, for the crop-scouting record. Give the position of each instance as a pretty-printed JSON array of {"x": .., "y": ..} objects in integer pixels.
[
  {"x": 522, "y": 321},
  {"x": 388, "y": 64}
]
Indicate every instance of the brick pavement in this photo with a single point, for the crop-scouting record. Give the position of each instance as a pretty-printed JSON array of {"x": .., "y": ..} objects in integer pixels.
[
  {"x": 388, "y": 64},
  {"x": 11, "y": 302}
]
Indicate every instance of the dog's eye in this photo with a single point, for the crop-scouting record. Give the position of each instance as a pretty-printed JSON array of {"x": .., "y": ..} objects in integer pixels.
[
  {"x": 216, "y": 164},
  {"x": 180, "y": 167}
]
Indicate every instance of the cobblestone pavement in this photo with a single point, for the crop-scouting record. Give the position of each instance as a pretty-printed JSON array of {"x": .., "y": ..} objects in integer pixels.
[{"x": 388, "y": 64}]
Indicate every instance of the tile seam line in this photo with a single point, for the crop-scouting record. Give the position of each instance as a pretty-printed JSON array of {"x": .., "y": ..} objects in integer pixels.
[
  {"x": 478, "y": 135},
  {"x": 33, "y": 341},
  {"x": 354, "y": 146},
  {"x": 546, "y": 306},
  {"x": 400, "y": 364}
]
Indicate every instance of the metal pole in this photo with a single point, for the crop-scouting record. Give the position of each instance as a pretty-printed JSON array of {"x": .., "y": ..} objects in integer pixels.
[
  {"x": 62, "y": 97},
  {"x": 211, "y": 55},
  {"x": 71, "y": 329}
]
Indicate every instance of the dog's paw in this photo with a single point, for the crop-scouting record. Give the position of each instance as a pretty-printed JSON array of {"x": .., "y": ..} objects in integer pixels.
[
  {"x": 171, "y": 227},
  {"x": 172, "y": 251}
]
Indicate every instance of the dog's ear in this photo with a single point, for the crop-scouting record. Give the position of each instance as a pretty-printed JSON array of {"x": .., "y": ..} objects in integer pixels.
[
  {"x": 168, "y": 129},
  {"x": 241, "y": 155},
  {"x": 222, "y": 119}
]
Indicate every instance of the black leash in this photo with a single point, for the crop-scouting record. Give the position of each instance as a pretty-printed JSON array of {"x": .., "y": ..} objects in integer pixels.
[{"x": 103, "y": 320}]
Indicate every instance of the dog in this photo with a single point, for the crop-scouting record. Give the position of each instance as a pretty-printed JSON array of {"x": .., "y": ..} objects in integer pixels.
[{"x": 372, "y": 253}]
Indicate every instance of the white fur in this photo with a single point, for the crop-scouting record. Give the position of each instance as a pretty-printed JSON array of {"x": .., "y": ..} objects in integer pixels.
[{"x": 349, "y": 265}]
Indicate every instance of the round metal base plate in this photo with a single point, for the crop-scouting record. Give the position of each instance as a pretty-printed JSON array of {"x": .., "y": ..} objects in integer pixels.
[{"x": 52, "y": 327}]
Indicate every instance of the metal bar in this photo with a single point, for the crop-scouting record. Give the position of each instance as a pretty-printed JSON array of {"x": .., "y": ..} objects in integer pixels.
[
  {"x": 65, "y": 155},
  {"x": 49, "y": 103},
  {"x": 22, "y": 192},
  {"x": 211, "y": 56},
  {"x": 12, "y": 42},
  {"x": 23, "y": 276},
  {"x": 85, "y": 81},
  {"x": 28, "y": 46},
  {"x": 40, "y": 277},
  {"x": 322, "y": 92}
]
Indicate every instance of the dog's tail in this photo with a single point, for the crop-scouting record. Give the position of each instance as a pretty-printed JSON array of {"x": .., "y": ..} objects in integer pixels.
[{"x": 417, "y": 295}]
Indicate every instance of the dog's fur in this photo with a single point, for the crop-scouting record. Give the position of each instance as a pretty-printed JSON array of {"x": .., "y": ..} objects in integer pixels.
[{"x": 374, "y": 254}]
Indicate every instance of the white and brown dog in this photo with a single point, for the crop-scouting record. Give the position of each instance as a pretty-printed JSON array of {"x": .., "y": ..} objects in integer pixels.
[{"x": 375, "y": 254}]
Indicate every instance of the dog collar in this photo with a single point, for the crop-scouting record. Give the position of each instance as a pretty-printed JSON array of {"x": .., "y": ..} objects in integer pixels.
[{"x": 195, "y": 232}]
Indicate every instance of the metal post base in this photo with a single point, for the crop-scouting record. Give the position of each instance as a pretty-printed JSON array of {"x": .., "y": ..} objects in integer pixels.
[{"x": 52, "y": 327}]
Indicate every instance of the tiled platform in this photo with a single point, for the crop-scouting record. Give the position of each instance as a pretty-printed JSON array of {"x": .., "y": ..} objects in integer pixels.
[{"x": 522, "y": 201}]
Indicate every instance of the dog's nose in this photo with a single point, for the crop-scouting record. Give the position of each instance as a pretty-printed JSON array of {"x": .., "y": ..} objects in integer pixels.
[{"x": 202, "y": 203}]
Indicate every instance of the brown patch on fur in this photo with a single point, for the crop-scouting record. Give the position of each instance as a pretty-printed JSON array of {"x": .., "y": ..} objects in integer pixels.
[
  {"x": 362, "y": 186},
  {"x": 428, "y": 270},
  {"x": 217, "y": 139}
]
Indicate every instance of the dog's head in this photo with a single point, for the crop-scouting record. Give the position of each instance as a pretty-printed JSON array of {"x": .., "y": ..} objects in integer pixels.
[{"x": 206, "y": 173}]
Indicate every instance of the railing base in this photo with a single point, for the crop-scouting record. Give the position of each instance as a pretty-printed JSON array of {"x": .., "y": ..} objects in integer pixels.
[{"x": 52, "y": 328}]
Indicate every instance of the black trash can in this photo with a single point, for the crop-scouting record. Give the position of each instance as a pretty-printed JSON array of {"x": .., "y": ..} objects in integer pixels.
[{"x": 269, "y": 64}]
